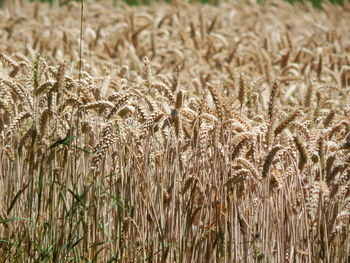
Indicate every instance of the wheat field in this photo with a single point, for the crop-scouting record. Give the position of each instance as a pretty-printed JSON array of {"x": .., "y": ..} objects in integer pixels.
[{"x": 174, "y": 132}]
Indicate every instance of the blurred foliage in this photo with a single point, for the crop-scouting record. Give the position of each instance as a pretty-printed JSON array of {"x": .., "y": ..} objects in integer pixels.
[{"x": 315, "y": 3}]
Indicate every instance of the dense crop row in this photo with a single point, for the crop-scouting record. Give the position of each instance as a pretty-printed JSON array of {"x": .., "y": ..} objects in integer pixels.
[{"x": 187, "y": 133}]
